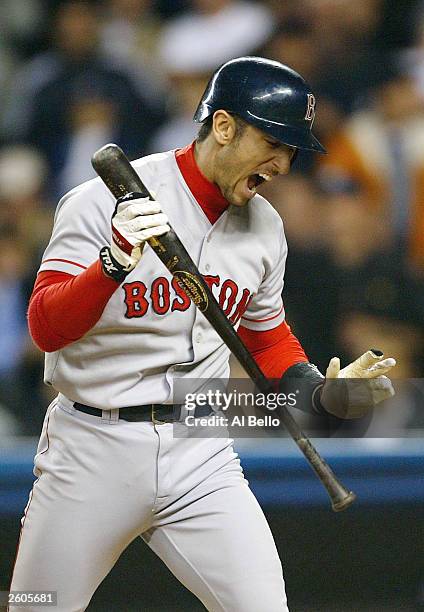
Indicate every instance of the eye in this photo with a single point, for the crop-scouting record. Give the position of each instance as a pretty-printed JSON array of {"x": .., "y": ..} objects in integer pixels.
[{"x": 273, "y": 143}]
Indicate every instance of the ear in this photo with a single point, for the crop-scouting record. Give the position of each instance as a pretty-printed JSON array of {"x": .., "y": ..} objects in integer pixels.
[{"x": 223, "y": 127}]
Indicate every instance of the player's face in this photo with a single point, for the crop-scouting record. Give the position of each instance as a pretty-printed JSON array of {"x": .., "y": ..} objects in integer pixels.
[{"x": 247, "y": 161}]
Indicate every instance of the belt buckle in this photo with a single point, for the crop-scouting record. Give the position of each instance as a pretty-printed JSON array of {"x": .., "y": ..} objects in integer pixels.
[{"x": 154, "y": 420}]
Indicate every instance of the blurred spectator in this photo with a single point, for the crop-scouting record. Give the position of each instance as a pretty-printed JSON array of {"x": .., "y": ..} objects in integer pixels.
[
  {"x": 191, "y": 47},
  {"x": 14, "y": 337},
  {"x": 412, "y": 58},
  {"x": 73, "y": 38},
  {"x": 290, "y": 9},
  {"x": 397, "y": 26},
  {"x": 103, "y": 79},
  {"x": 128, "y": 40},
  {"x": 341, "y": 21},
  {"x": 25, "y": 226},
  {"x": 92, "y": 121},
  {"x": 212, "y": 33},
  {"x": 310, "y": 293},
  {"x": 43, "y": 112},
  {"x": 354, "y": 231},
  {"x": 180, "y": 129},
  {"x": 12, "y": 303},
  {"x": 20, "y": 26},
  {"x": 170, "y": 8},
  {"x": 375, "y": 289},
  {"x": 376, "y": 313},
  {"x": 345, "y": 33},
  {"x": 294, "y": 44},
  {"x": 346, "y": 291},
  {"x": 380, "y": 154},
  {"x": 21, "y": 22},
  {"x": 23, "y": 206}
]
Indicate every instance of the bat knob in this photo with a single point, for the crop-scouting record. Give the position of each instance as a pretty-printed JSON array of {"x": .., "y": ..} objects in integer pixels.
[{"x": 343, "y": 503}]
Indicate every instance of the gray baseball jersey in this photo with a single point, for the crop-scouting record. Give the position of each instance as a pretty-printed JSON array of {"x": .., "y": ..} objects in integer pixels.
[{"x": 149, "y": 333}]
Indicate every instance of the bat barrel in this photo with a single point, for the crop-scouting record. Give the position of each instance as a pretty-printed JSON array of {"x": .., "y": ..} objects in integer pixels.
[
  {"x": 108, "y": 162},
  {"x": 341, "y": 497}
]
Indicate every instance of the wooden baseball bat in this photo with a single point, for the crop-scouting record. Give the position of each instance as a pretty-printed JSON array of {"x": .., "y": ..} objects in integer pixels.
[{"x": 116, "y": 171}]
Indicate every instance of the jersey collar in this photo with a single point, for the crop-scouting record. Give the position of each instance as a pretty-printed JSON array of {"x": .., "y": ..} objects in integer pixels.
[{"x": 207, "y": 194}]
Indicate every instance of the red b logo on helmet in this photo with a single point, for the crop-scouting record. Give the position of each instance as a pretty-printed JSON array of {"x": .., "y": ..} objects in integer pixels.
[{"x": 310, "y": 110}]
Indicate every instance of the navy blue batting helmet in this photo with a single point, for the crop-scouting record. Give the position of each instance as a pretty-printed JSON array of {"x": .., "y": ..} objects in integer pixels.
[{"x": 267, "y": 94}]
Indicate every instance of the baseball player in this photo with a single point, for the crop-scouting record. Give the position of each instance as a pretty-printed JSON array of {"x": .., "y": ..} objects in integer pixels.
[{"x": 119, "y": 333}]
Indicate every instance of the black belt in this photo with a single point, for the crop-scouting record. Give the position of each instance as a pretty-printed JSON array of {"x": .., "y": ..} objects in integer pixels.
[{"x": 163, "y": 413}]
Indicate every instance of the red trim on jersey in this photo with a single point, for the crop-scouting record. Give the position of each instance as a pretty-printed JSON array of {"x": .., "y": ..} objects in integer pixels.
[
  {"x": 66, "y": 261},
  {"x": 267, "y": 319},
  {"x": 52, "y": 323},
  {"x": 207, "y": 194},
  {"x": 274, "y": 350}
]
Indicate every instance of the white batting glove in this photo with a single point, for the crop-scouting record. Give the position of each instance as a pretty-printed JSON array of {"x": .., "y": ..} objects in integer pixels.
[
  {"x": 135, "y": 220},
  {"x": 367, "y": 385}
]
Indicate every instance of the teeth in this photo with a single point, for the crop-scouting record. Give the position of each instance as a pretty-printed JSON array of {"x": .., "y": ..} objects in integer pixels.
[{"x": 266, "y": 177}]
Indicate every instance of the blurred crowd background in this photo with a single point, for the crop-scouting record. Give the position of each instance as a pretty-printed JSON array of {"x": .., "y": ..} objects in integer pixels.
[{"x": 75, "y": 75}]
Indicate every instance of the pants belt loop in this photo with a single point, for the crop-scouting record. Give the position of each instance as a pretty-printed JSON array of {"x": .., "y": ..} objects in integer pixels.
[
  {"x": 154, "y": 421},
  {"x": 110, "y": 416},
  {"x": 184, "y": 412}
]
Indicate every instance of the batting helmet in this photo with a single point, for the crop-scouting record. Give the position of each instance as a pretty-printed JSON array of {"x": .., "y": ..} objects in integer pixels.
[{"x": 267, "y": 94}]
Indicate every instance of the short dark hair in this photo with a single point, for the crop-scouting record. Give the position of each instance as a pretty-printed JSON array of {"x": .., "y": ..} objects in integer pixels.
[{"x": 206, "y": 127}]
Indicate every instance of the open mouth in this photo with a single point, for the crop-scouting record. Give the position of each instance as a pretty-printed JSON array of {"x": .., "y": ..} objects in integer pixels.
[{"x": 254, "y": 180}]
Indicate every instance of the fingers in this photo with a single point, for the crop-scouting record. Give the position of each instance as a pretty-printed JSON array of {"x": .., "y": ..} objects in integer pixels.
[
  {"x": 369, "y": 358},
  {"x": 150, "y": 232},
  {"x": 370, "y": 365},
  {"x": 134, "y": 221},
  {"x": 382, "y": 383},
  {"x": 382, "y": 389},
  {"x": 381, "y": 367},
  {"x": 386, "y": 363},
  {"x": 145, "y": 221},
  {"x": 333, "y": 368},
  {"x": 132, "y": 208}
]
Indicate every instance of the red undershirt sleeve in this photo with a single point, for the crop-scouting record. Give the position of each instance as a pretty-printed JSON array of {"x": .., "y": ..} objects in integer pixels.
[
  {"x": 64, "y": 307},
  {"x": 274, "y": 350}
]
